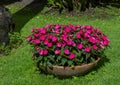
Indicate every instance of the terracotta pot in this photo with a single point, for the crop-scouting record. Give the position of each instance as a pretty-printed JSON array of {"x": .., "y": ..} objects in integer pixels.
[{"x": 62, "y": 71}]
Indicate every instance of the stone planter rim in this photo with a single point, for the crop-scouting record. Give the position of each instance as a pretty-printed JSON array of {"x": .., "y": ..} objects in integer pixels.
[{"x": 63, "y": 72}]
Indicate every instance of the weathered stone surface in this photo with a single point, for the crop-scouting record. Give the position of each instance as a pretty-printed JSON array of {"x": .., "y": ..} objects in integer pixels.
[{"x": 6, "y": 24}]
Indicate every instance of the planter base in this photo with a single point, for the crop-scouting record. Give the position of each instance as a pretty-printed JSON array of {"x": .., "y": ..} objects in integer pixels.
[{"x": 62, "y": 71}]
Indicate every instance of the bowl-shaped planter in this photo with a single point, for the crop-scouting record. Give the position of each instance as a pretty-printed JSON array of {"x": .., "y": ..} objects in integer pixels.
[
  {"x": 63, "y": 50},
  {"x": 62, "y": 71}
]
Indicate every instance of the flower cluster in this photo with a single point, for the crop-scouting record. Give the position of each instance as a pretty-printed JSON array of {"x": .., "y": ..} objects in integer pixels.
[{"x": 67, "y": 44}]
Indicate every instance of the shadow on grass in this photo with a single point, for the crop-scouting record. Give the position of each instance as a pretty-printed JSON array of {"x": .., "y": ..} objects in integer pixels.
[
  {"x": 6, "y": 2},
  {"x": 21, "y": 17},
  {"x": 101, "y": 63}
]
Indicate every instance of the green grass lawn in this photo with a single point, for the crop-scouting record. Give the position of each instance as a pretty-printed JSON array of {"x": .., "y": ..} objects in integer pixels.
[{"x": 18, "y": 68}]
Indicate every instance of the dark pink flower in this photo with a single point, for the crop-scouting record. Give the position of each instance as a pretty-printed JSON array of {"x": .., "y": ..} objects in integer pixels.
[
  {"x": 36, "y": 41},
  {"x": 73, "y": 44},
  {"x": 71, "y": 56},
  {"x": 49, "y": 45},
  {"x": 57, "y": 52},
  {"x": 95, "y": 35},
  {"x": 57, "y": 31},
  {"x": 32, "y": 30},
  {"x": 87, "y": 35},
  {"x": 59, "y": 44},
  {"x": 29, "y": 38},
  {"x": 54, "y": 39},
  {"x": 63, "y": 44},
  {"x": 98, "y": 31},
  {"x": 66, "y": 51},
  {"x": 36, "y": 35},
  {"x": 105, "y": 40},
  {"x": 69, "y": 42},
  {"x": 106, "y": 43},
  {"x": 95, "y": 47},
  {"x": 88, "y": 27},
  {"x": 57, "y": 26},
  {"x": 43, "y": 31},
  {"x": 50, "y": 36},
  {"x": 67, "y": 29},
  {"x": 38, "y": 48},
  {"x": 73, "y": 27},
  {"x": 101, "y": 46},
  {"x": 48, "y": 26},
  {"x": 45, "y": 52},
  {"x": 81, "y": 32},
  {"x": 88, "y": 31},
  {"x": 82, "y": 27},
  {"x": 87, "y": 49},
  {"x": 80, "y": 46},
  {"x": 64, "y": 37},
  {"x": 71, "y": 35},
  {"x": 42, "y": 37},
  {"x": 92, "y": 40},
  {"x": 78, "y": 35},
  {"x": 46, "y": 42},
  {"x": 41, "y": 52}
]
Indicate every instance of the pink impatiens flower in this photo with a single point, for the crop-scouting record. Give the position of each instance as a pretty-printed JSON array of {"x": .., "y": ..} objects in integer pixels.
[
  {"x": 73, "y": 27},
  {"x": 46, "y": 42},
  {"x": 50, "y": 36},
  {"x": 36, "y": 35},
  {"x": 87, "y": 49},
  {"x": 29, "y": 38},
  {"x": 78, "y": 35},
  {"x": 66, "y": 51},
  {"x": 95, "y": 47},
  {"x": 63, "y": 44},
  {"x": 48, "y": 26},
  {"x": 43, "y": 31},
  {"x": 87, "y": 35},
  {"x": 71, "y": 56},
  {"x": 92, "y": 40},
  {"x": 101, "y": 46},
  {"x": 45, "y": 52},
  {"x": 57, "y": 52},
  {"x": 57, "y": 26},
  {"x": 73, "y": 44},
  {"x": 88, "y": 27},
  {"x": 32, "y": 30},
  {"x": 80, "y": 46},
  {"x": 36, "y": 41},
  {"x": 64, "y": 37},
  {"x": 54, "y": 39},
  {"x": 42, "y": 37},
  {"x": 69, "y": 42},
  {"x": 105, "y": 40},
  {"x": 67, "y": 29},
  {"x": 59, "y": 44},
  {"x": 49, "y": 45},
  {"x": 88, "y": 31},
  {"x": 41, "y": 52}
]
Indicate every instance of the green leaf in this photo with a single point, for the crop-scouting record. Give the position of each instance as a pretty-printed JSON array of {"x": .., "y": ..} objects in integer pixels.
[
  {"x": 49, "y": 64},
  {"x": 70, "y": 63},
  {"x": 62, "y": 51},
  {"x": 58, "y": 58},
  {"x": 45, "y": 58},
  {"x": 64, "y": 60},
  {"x": 51, "y": 58},
  {"x": 39, "y": 58},
  {"x": 93, "y": 60},
  {"x": 87, "y": 56}
]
